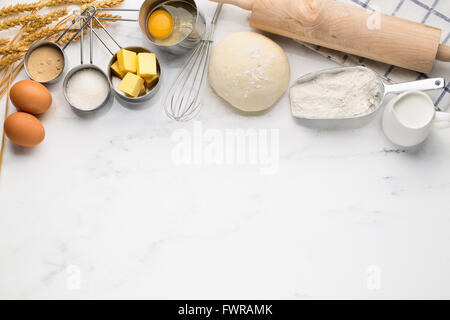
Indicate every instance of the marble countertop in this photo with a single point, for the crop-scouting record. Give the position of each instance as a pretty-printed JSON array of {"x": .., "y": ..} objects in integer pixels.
[{"x": 129, "y": 204}]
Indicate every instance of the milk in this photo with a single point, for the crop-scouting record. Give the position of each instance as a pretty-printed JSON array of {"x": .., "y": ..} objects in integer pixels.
[
  {"x": 408, "y": 119},
  {"x": 414, "y": 110}
]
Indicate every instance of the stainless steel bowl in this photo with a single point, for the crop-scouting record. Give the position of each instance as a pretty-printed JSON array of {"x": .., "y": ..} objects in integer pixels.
[
  {"x": 38, "y": 45},
  {"x": 184, "y": 45},
  {"x": 71, "y": 73},
  {"x": 120, "y": 95}
]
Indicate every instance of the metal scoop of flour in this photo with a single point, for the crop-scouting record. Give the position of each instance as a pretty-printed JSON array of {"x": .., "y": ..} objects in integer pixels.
[{"x": 423, "y": 85}]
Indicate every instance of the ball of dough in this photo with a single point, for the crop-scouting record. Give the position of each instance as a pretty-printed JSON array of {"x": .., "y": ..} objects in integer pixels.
[{"x": 249, "y": 71}]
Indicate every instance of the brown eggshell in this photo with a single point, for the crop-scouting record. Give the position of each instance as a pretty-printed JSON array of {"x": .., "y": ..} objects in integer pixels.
[
  {"x": 24, "y": 129},
  {"x": 30, "y": 96}
]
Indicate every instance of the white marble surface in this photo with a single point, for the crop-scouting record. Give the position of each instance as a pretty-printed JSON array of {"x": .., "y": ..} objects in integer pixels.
[{"x": 101, "y": 210}]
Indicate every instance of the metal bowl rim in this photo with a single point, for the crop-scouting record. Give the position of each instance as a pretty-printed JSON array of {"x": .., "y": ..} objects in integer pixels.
[
  {"x": 72, "y": 72},
  {"x": 134, "y": 99},
  {"x": 38, "y": 45},
  {"x": 199, "y": 15}
]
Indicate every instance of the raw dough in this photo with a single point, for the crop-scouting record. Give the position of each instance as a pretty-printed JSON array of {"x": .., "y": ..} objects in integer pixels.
[{"x": 249, "y": 70}]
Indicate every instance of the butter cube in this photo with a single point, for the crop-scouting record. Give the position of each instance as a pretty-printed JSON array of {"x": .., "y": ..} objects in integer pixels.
[
  {"x": 146, "y": 64},
  {"x": 151, "y": 81},
  {"x": 131, "y": 84},
  {"x": 116, "y": 70},
  {"x": 127, "y": 61},
  {"x": 143, "y": 90}
]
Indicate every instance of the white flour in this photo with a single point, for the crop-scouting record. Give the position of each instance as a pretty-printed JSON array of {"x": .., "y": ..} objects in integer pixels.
[{"x": 345, "y": 94}]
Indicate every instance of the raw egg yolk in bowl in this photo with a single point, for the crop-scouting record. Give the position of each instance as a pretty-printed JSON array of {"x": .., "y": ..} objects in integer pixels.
[{"x": 160, "y": 24}]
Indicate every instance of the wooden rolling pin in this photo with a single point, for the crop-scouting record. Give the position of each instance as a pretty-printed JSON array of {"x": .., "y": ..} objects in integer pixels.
[{"x": 350, "y": 29}]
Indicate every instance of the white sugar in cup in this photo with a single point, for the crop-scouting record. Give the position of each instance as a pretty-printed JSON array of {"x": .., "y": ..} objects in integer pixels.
[{"x": 86, "y": 88}]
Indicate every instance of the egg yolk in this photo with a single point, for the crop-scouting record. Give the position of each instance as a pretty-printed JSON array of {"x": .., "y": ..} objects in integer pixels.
[{"x": 160, "y": 24}]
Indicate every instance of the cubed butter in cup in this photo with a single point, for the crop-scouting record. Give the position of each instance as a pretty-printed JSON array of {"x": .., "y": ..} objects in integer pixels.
[
  {"x": 116, "y": 70},
  {"x": 151, "y": 81},
  {"x": 146, "y": 64},
  {"x": 131, "y": 84},
  {"x": 127, "y": 60}
]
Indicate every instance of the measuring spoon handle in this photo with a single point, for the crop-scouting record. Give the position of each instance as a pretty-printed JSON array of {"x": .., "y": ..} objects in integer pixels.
[
  {"x": 443, "y": 116},
  {"x": 422, "y": 85}
]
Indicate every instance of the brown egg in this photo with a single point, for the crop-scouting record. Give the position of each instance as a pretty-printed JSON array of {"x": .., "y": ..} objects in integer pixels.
[
  {"x": 24, "y": 129},
  {"x": 30, "y": 96}
]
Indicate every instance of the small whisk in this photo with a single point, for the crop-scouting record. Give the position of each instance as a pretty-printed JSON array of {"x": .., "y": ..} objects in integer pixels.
[{"x": 182, "y": 102}]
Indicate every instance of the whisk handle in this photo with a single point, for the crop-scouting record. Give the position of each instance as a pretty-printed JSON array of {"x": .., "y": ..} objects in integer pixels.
[
  {"x": 244, "y": 4},
  {"x": 217, "y": 13},
  {"x": 210, "y": 33}
]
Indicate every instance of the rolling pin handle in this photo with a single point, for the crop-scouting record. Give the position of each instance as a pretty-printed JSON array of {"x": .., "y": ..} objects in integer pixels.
[
  {"x": 443, "y": 53},
  {"x": 243, "y": 4}
]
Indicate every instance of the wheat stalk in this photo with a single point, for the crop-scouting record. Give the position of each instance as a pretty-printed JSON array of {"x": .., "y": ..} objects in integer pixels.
[
  {"x": 13, "y": 48},
  {"x": 40, "y": 34},
  {"x": 96, "y": 25},
  {"x": 107, "y": 15},
  {"x": 24, "y": 7},
  {"x": 44, "y": 20},
  {"x": 12, "y": 22},
  {"x": 55, "y": 3},
  {"x": 22, "y": 46},
  {"x": 66, "y": 38},
  {"x": 10, "y": 59},
  {"x": 18, "y": 8},
  {"x": 104, "y": 4},
  {"x": 4, "y": 41}
]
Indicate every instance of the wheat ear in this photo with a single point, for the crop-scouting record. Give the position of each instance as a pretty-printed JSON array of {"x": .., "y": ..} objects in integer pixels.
[
  {"x": 104, "y": 4},
  {"x": 18, "y": 8},
  {"x": 43, "y": 21},
  {"x": 12, "y": 22},
  {"x": 10, "y": 59},
  {"x": 55, "y": 3}
]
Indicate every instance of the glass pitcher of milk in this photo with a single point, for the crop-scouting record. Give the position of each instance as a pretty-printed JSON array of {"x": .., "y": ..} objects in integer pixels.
[{"x": 408, "y": 119}]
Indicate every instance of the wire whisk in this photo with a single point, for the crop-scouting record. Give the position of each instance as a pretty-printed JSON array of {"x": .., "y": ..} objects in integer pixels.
[{"x": 182, "y": 102}]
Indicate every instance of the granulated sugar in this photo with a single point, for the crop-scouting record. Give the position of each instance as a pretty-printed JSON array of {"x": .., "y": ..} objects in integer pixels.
[{"x": 87, "y": 89}]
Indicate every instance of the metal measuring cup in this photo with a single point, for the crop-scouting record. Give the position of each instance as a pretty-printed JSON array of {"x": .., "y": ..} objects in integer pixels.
[
  {"x": 149, "y": 6},
  {"x": 187, "y": 43},
  {"x": 57, "y": 46},
  {"x": 118, "y": 94},
  {"x": 86, "y": 66},
  {"x": 385, "y": 89}
]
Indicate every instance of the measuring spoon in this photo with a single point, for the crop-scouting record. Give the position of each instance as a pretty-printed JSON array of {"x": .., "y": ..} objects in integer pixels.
[
  {"x": 85, "y": 66},
  {"x": 57, "y": 46},
  {"x": 423, "y": 85},
  {"x": 118, "y": 94}
]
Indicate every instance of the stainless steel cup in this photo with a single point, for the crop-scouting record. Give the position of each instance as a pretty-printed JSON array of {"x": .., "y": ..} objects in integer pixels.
[
  {"x": 120, "y": 95},
  {"x": 71, "y": 73},
  {"x": 90, "y": 10},
  {"x": 184, "y": 45},
  {"x": 41, "y": 44}
]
